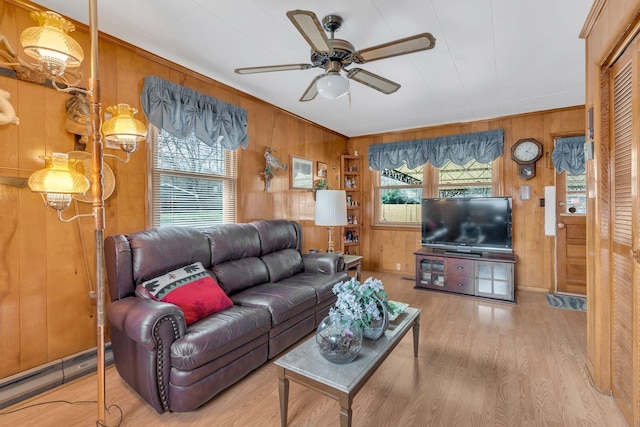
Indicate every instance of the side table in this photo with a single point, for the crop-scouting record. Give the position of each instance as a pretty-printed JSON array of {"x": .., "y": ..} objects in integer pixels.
[{"x": 351, "y": 262}]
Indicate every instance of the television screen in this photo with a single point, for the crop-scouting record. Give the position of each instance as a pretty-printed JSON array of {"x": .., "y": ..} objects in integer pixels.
[{"x": 467, "y": 224}]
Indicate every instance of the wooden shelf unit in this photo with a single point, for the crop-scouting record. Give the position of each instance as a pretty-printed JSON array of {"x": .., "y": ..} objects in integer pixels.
[
  {"x": 489, "y": 274},
  {"x": 350, "y": 181}
]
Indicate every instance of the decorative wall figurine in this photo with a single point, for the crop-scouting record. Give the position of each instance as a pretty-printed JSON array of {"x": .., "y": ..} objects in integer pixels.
[
  {"x": 78, "y": 120},
  {"x": 7, "y": 113},
  {"x": 272, "y": 166}
]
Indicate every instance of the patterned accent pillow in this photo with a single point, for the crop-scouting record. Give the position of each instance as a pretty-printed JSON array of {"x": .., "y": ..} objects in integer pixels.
[{"x": 191, "y": 288}]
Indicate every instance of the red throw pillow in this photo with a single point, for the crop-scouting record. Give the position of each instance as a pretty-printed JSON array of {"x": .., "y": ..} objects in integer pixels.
[{"x": 191, "y": 288}]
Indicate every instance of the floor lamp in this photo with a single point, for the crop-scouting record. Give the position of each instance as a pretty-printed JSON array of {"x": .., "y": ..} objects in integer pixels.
[
  {"x": 331, "y": 211},
  {"x": 51, "y": 45}
]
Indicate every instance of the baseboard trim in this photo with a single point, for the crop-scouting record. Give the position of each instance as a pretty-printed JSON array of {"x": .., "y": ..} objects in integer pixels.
[
  {"x": 24, "y": 385},
  {"x": 532, "y": 289}
]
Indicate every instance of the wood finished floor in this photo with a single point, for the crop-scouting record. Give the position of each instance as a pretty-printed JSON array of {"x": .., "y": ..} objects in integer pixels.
[{"x": 481, "y": 363}]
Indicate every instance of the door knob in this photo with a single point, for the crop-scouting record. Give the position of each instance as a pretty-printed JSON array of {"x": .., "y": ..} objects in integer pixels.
[
  {"x": 561, "y": 225},
  {"x": 635, "y": 253}
]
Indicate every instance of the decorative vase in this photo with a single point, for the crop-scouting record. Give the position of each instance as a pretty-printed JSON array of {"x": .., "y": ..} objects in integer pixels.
[
  {"x": 339, "y": 339},
  {"x": 376, "y": 328}
]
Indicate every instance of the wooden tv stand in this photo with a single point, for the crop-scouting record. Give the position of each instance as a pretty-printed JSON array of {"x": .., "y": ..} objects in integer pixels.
[{"x": 482, "y": 274}]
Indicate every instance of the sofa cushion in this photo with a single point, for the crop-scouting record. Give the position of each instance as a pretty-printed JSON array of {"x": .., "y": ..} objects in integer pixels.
[
  {"x": 282, "y": 301},
  {"x": 321, "y": 283},
  {"x": 235, "y": 276},
  {"x": 232, "y": 242},
  {"x": 283, "y": 264},
  {"x": 191, "y": 288},
  {"x": 278, "y": 234},
  {"x": 217, "y": 335},
  {"x": 153, "y": 256}
]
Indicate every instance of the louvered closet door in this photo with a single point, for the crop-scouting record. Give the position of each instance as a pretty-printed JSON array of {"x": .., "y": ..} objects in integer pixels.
[{"x": 622, "y": 262}]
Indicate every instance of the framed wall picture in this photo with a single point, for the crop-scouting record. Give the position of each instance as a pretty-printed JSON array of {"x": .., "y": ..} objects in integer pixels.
[
  {"x": 301, "y": 173},
  {"x": 321, "y": 170}
]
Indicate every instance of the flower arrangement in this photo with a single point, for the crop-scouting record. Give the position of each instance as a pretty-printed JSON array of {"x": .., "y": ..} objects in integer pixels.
[
  {"x": 319, "y": 184},
  {"x": 360, "y": 302}
]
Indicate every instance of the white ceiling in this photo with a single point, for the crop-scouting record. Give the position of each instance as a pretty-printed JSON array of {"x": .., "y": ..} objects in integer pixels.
[{"x": 492, "y": 57}]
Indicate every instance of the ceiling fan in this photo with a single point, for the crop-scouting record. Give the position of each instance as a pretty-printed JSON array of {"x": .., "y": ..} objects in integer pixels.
[{"x": 334, "y": 55}]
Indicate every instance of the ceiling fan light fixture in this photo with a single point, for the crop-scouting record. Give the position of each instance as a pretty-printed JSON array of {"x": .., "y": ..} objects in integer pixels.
[{"x": 332, "y": 86}]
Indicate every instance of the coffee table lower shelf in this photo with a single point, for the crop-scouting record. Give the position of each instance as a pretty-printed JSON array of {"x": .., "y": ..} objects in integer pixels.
[{"x": 304, "y": 365}]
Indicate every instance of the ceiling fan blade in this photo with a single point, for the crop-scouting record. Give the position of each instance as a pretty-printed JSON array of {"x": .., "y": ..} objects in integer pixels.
[
  {"x": 411, "y": 44},
  {"x": 309, "y": 26},
  {"x": 312, "y": 90},
  {"x": 270, "y": 68},
  {"x": 373, "y": 80}
]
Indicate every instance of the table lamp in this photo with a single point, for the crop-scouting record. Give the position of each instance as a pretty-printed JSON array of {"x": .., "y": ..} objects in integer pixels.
[{"x": 331, "y": 211}]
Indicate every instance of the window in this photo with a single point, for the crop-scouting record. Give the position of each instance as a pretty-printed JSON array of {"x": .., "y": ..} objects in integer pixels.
[
  {"x": 471, "y": 180},
  {"x": 576, "y": 193},
  {"x": 399, "y": 195},
  {"x": 192, "y": 183},
  {"x": 400, "y": 190}
]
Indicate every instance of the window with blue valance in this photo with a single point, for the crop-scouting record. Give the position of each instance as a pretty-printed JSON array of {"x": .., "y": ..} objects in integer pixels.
[
  {"x": 568, "y": 155},
  {"x": 182, "y": 111},
  {"x": 482, "y": 147}
]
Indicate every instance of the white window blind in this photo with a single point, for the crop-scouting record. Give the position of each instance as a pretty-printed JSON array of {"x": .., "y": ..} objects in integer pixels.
[{"x": 193, "y": 184}]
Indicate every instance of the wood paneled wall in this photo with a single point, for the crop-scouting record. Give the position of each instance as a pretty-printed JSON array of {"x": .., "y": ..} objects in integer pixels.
[
  {"x": 384, "y": 248},
  {"x": 46, "y": 267},
  {"x": 45, "y": 309}
]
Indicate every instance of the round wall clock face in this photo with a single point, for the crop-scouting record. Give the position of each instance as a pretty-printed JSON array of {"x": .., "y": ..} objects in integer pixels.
[{"x": 526, "y": 151}]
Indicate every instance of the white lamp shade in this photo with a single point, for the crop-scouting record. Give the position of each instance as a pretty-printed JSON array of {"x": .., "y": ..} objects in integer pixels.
[
  {"x": 332, "y": 86},
  {"x": 331, "y": 207}
]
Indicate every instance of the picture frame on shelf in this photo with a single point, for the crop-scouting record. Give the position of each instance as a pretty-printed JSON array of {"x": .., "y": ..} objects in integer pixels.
[
  {"x": 321, "y": 169},
  {"x": 301, "y": 173}
]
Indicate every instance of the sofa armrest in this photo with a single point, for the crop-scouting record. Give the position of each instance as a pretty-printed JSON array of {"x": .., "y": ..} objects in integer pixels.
[
  {"x": 137, "y": 318},
  {"x": 323, "y": 263},
  {"x": 142, "y": 332}
]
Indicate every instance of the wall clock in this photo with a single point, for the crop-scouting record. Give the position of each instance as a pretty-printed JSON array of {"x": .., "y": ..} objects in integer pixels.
[{"x": 526, "y": 153}]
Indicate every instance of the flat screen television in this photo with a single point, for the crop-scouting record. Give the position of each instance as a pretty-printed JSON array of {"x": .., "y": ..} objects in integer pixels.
[{"x": 472, "y": 225}]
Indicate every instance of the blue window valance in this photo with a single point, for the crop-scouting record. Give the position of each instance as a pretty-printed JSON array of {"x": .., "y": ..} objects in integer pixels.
[
  {"x": 568, "y": 155},
  {"x": 460, "y": 149},
  {"x": 182, "y": 111}
]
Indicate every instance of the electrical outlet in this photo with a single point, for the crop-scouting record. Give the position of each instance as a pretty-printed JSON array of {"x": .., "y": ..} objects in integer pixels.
[
  {"x": 542, "y": 203},
  {"x": 398, "y": 266}
]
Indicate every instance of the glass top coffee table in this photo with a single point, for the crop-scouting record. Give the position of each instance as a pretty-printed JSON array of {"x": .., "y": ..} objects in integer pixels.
[{"x": 304, "y": 365}]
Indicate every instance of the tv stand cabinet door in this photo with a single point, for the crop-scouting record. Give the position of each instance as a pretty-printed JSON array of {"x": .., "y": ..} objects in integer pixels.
[
  {"x": 495, "y": 280},
  {"x": 430, "y": 272}
]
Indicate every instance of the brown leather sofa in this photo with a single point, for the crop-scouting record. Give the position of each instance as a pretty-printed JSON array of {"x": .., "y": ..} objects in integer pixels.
[{"x": 279, "y": 296}]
